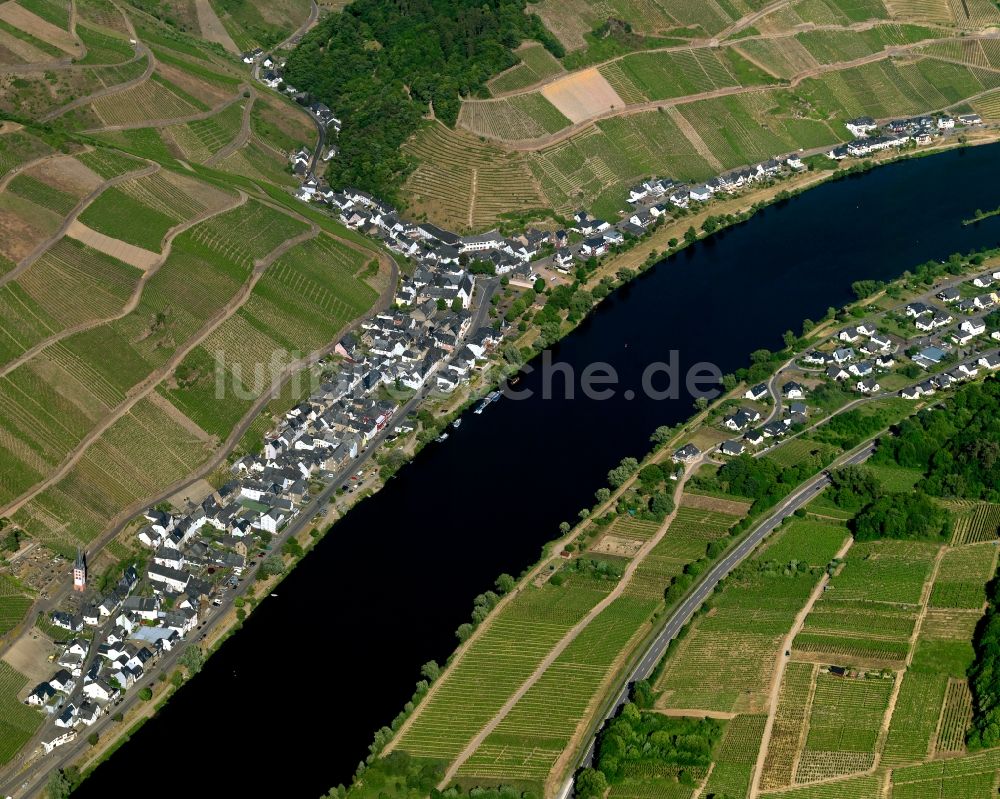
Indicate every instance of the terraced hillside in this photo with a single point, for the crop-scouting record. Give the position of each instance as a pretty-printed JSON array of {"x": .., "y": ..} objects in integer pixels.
[
  {"x": 151, "y": 257},
  {"x": 695, "y": 88}
]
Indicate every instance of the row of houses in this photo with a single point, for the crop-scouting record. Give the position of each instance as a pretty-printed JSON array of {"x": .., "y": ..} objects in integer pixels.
[
  {"x": 986, "y": 362},
  {"x": 872, "y": 137}
]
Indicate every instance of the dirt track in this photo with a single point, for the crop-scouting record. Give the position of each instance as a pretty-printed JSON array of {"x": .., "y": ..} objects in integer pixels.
[
  {"x": 541, "y": 142},
  {"x": 78, "y": 209}
]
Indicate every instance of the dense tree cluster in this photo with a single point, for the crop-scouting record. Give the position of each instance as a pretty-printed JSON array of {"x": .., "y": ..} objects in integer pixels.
[
  {"x": 668, "y": 744},
  {"x": 760, "y": 479},
  {"x": 984, "y": 676},
  {"x": 957, "y": 446},
  {"x": 382, "y": 66},
  {"x": 902, "y": 516},
  {"x": 854, "y": 487}
]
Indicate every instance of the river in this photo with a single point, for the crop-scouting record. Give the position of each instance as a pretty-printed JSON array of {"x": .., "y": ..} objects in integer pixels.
[{"x": 288, "y": 705}]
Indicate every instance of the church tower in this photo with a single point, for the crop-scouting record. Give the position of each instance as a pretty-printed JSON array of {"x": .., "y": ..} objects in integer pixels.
[{"x": 79, "y": 573}]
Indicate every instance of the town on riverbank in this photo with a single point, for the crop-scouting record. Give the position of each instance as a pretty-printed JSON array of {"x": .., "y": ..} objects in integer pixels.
[{"x": 196, "y": 556}]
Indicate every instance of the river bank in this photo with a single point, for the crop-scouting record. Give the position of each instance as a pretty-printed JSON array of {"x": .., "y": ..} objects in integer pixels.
[{"x": 406, "y": 561}]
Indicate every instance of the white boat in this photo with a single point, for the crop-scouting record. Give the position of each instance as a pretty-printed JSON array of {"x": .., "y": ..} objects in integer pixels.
[
  {"x": 457, "y": 424},
  {"x": 443, "y": 437}
]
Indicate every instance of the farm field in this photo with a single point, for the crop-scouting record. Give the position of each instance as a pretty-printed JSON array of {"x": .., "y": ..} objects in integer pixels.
[
  {"x": 106, "y": 479},
  {"x": 844, "y": 720},
  {"x": 200, "y": 140},
  {"x": 975, "y": 522},
  {"x": 736, "y": 756},
  {"x": 870, "y": 609},
  {"x": 70, "y": 284},
  {"x": 789, "y": 725},
  {"x": 17, "y": 722},
  {"x": 141, "y": 211},
  {"x": 895, "y": 478},
  {"x": 522, "y": 116},
  {"x": 299, "y": 305},
  {"x": 509, "y": 650},
  {"x": 962, "y": 576},
  {"x": 14, "y": 603},
  {"x": 739, "y": 638},
  {"x": 466, "y": 183},
  {"x": 537, "y": 63},
  {"x": 970, "y": 777},
  {"x": 794, "y": 451},
  {"x": 530, "y": 739}
]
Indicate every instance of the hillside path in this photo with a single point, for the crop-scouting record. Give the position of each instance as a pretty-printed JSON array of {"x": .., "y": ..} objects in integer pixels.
[{"x": 573, "y": 633}]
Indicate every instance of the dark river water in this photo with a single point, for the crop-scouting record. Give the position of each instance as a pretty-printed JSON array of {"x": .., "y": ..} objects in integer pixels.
[{"x": 288, "y": 705}]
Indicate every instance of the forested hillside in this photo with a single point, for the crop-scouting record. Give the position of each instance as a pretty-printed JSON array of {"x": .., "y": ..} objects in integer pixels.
[{"x": 382, "y": 66}]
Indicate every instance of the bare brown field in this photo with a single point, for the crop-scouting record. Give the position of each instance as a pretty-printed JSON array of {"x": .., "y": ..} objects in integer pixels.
[
  {"x": 211, "y": 26},
  {"x": 67, "y": 174},
  {"x": 22, "y": 19},
  {"x": 29, "y": 655},
  {"x": 611, "y": 544},
  {"x": 731, "y": 506},
  {"x": 582, "y": 95},
  {"x": 128, "y": 253}
]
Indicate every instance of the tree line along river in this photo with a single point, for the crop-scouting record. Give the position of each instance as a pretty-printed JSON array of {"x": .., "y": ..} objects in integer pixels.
[{"x": 288, "y": 705}]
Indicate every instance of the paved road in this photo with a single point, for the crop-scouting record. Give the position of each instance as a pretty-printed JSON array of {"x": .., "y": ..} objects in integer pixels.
[{"x": 704, "y": 589}]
